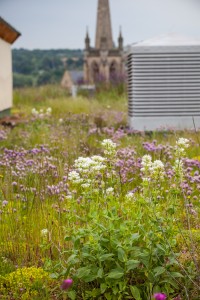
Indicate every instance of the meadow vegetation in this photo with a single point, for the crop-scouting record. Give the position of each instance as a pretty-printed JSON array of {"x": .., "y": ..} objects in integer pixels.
[{"x": 90, "y": 209}]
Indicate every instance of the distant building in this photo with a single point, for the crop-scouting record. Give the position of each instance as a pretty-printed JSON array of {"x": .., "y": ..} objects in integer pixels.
[
  {"x": 71, "y": 79},
  {"x": 7, "y": 37},
  {"x": 105, "y": 60}
]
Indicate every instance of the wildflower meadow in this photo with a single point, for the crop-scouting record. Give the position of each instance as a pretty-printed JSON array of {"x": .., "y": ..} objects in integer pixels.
[{"x": 91, "y": 209}]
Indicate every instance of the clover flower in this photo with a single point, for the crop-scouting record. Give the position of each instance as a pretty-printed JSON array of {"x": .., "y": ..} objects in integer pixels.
[
  {"x": 159, "y": 296},
  {"x": 66, "y": 284}
]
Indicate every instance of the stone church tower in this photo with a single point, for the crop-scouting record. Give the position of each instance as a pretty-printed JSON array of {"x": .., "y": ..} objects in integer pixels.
[{"x": 105, "y": 61}]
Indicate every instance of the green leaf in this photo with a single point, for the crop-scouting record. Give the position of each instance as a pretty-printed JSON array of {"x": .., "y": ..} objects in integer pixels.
[
  {"x": 106, "y": 257},
  {"x": 90, "y": 277},
  {"x": 135, "y": 292},
  {"x": 135, "y": 236},
  {"x": 68, "y": 238},
  {"x": 83, "y": 272},
  {"x": 132, "y": 264},
  {"x": 72, "y": 259},
  {"x": 108, "y": 296},
  {"x": 100, "y": 273},
  {"x": 54, "y": 275},
  {"x": 72, "y": 295},
  {"x": 116, "y": 273},
  {"x": 103, "y": 287},
  {"x": 159, "y": 270},
  {"x": 121, "y": 255},
  {"x": 175, "y": 274}
]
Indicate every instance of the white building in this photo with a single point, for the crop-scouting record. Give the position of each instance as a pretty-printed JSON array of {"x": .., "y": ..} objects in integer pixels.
[
  {"x": 164, "y": 83},
  {"x": 7, "y": 37}
]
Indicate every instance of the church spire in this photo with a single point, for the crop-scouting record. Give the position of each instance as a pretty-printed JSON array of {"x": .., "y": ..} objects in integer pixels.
[{"x": 103, "y": 29}]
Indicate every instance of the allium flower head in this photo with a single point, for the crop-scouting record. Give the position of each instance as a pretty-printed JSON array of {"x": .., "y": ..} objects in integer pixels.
[
  {"x": 66, "y": 284},
  {"x": 160, "y": 296}
]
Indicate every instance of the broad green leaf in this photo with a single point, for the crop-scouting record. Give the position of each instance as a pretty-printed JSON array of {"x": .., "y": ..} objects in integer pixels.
[
  {"x": 135, "y": 236},
  {"x": 54, "y": 275},
  {"x": 72, "y": 259},
  {"x": 72, "y": 295},
  {"x": 159, "y": 270},
  {"x": 83, "y": 272},
  {"x": 121, "y": 255},
  {"x": 100, "y": 273},
  {"x": 116, "y": 273},
  {"x": 106, "y": 257},
  {"x": 135, "y": 292},
  {"x": 145, "y": 259},
  {"x": 68, "y": 238},
  {"x": 108, "y": 296},
  {"x": 132, "y": 264},
  {"x": 90, "y": 277},
  {"x": 175, "y": 274},
  {"x": 103, "y": 287}
]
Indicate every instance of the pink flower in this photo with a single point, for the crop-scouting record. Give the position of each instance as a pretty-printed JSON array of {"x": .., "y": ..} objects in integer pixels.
[
  {"x": 159, "y": 296},
  {"x": 66, "y": 284}
]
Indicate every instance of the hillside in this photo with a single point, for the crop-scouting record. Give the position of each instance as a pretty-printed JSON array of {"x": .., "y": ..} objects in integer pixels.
[{"x": 39, "y": 67}]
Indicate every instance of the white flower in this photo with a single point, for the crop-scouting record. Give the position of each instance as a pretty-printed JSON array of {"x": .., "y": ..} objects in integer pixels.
[
  {"x": 146, "y": 160},
  {"x": 60, "y": 121},
  {"x": 110, "y": 191},
  {"x": 44, "y": 232},
  {"x": 68, "y": 197},
  {"x": 34, "y": 112},
  {"x": 49, "y": 110},
  {"x": 180, "y": 147},
  {"x": 74, "y": 177},
  {"x": 178, "y": 168},
  {"x": 98, "y": 158},
  {"x": 182, "y": 143},
  {"x": 157, "y": 169},
  {"x": 129, "y": 196},
  {"x": 85, "y": 185},
  {"x": 109, "y": 147}
]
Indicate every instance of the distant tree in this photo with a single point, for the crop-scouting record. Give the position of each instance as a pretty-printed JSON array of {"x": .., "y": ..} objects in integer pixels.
[{"x": 20, "y": 80}]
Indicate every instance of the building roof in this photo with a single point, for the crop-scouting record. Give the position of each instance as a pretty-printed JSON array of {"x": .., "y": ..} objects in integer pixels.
[
  {"x": 76, "y": 76},
  {"x": 7, "y": 32},
  {"x": 171, "y": 39}
]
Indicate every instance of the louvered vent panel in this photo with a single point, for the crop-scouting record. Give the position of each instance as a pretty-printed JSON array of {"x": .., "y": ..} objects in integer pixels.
[{"x": 163, "y": 84}]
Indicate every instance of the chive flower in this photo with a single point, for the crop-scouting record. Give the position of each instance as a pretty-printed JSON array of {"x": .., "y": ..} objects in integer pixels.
[{"x": 66, "y": 284}]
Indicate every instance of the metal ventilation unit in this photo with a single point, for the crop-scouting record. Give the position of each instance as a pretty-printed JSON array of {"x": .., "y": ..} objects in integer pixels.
[{"x": 164, "y": 83}]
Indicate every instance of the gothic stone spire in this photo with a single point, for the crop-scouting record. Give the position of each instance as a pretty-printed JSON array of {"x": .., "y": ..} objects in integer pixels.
[{"x": 103, "y": 30}]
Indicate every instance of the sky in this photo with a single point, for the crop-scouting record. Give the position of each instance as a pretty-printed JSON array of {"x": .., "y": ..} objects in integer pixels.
[{"x": 61, "y": 24}]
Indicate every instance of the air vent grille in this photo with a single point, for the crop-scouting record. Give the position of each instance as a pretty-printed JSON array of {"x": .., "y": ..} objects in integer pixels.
[{"x": 163, "y": 84}]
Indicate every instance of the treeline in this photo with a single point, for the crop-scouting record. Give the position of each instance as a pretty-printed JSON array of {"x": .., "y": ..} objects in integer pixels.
[{"x": 39, "y": 67}]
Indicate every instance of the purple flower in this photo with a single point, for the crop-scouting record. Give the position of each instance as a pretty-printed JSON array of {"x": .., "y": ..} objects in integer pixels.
[
  {"x": 159, "y": 296},
  {"x": 66, "y": 284}
]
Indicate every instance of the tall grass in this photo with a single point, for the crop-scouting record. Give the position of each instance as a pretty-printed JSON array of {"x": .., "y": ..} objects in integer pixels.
[{"x": 37, "y": 155}]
